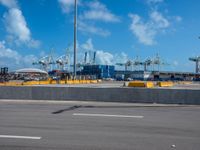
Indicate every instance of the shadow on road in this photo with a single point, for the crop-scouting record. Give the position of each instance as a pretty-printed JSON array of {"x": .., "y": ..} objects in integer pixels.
[
  {"x": 67, "y": 109},
  {"x": 89, "y": 106}
]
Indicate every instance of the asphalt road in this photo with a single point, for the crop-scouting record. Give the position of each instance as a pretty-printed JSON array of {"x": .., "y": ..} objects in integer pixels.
[{"x": 98, "y": 126}]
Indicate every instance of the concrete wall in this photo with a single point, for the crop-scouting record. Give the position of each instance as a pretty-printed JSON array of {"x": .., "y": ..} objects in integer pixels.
[{"x": 139, "y": 95}]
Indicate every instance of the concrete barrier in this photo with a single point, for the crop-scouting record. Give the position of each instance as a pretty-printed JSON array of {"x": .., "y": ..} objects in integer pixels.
[
  {"x": 93, "y": 81},
  {"x": 147, "y": 84},
  {"x": 165, "y": 84},
  {"x": 62, "y": 82},
  {"x": 136, "y": 95},
  {"x": 44, "y": 82},
  {"x": 25, "y": 83}
]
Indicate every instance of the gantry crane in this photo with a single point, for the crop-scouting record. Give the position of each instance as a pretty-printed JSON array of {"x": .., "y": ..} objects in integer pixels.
[
  {"x": 45, "y": 62},
  {"x": 126, "y": 64},
  {"x": 158, "y": 61},
  {"x": 90, "y": 60},
  {"x": 131, "y": 63},
  {"x": 197, "y": 61},
  {"x": 63, "y": 60}
]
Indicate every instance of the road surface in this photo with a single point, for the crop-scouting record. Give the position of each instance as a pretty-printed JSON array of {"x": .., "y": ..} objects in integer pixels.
[{"x": 98, "y": 126}]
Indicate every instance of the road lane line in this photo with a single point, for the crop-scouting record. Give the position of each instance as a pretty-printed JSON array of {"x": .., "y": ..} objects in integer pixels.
[
  {"x": 106, "y": 115},
  {"x": 20, "y": 137}
]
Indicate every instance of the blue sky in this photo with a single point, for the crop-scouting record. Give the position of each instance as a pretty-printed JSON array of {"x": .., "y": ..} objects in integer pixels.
[{"x": 117, "y": 29}]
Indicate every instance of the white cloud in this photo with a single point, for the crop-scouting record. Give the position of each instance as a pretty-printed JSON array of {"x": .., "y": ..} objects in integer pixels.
[
  {"x": 103, "y": 57},
  {"x": 146, "y": 31},
  {"x": 121, "y": 58},
  {"x": 8, "y": 53},
  {"x": 143, "y": 31},
  {"x": 16, "y": 25},
  {"x": 98, "y": 11},
  {"x": 29, "y": 59},
  {"x": 92, "y": 29},
  {"x": 88, "y": 45},
  {"x": 9, "y": 3},
  {"x": 159, "y": 20},
  {"x": 93, "y": 11},
  {"x": 33, "y": 43},
  {"x": 66, "y": 5},
  {"x": 12, "y": 59}
]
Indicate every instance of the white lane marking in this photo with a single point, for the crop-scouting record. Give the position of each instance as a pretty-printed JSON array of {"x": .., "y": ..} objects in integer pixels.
[
  {"x": 106, "y": 115},
  {"x": 20, "y": 137}
]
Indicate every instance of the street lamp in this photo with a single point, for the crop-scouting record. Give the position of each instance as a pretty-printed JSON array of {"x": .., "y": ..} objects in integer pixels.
[{"x": 75, "y": 35}]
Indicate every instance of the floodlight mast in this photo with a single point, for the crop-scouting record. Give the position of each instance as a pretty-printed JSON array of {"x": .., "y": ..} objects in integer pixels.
[{"x": 75, "y": 36}]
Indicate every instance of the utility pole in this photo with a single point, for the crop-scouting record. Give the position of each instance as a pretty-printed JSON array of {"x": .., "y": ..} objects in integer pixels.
[{"x": 75, "y": 35}]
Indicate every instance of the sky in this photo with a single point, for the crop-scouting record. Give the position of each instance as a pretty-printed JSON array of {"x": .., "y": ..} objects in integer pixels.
[{"x": 118, "y": 30}]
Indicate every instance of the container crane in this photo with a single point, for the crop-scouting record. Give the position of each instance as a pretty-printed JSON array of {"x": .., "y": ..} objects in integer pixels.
[
  {"x": 126, "y": 64},
  {"x": 158, "y": 61},
  {"x": 45, "y": 62},
  {"x": 147, "y": 63},
  {"x": 63, "y": 60},
  {"x": 90, "y": 60},
  {"x": 197, "y": 62},
  {"x": 137, "y": 62}
]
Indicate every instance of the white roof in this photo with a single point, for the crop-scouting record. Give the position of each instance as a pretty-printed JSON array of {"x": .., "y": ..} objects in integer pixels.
[{"x": 30, "y": 70}]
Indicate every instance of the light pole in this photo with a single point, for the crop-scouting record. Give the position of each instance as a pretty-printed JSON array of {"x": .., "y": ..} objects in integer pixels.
[{"x": 75, "y": 35}]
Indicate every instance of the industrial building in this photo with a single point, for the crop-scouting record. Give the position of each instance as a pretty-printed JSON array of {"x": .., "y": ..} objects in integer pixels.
[
  {"x": 99, "y": 71},
  {"x": 156, "y": 75}
]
